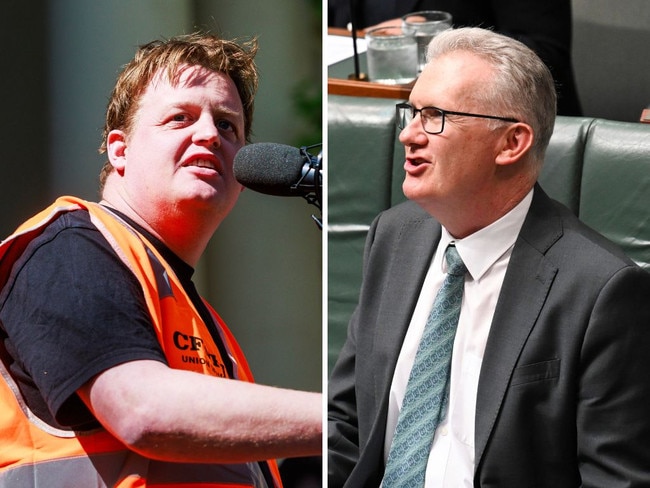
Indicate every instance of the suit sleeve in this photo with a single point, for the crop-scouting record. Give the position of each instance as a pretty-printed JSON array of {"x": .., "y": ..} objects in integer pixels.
[
  {"x": 613, "y": 425},
  {"x": 343, "y": 426}
]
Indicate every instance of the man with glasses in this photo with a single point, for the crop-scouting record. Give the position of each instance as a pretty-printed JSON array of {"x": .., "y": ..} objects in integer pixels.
[{"x": 497, "y": 341}]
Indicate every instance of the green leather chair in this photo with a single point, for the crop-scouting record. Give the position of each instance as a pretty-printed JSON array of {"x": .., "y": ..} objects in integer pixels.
[{"x": 600, "y": 169}]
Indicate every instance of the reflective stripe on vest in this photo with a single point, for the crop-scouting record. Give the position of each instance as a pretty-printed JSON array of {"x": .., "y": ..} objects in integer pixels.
[
  {"x": 111, "y": 470},
  {"x": 33, "y": 454}
]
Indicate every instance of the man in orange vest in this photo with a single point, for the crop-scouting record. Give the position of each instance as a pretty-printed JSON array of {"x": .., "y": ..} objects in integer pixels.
[{"x": 115, "y": 371}]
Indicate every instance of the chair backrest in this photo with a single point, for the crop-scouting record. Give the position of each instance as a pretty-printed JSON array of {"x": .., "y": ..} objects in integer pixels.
[
  {"x": 610, "y": 61},
  {"x": 598, "y": 168},
  {"x": 615, "y": 185}
]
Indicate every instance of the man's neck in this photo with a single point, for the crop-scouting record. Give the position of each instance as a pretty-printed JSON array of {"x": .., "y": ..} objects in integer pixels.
[{"x": 185, "y": 236}]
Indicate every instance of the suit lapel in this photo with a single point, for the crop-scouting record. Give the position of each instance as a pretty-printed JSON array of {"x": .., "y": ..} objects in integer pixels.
[
  {"x": 408, "y": 269},
  {"x": 525, "y": 288},
  {"x": 528, "y": 281},
  {"x": 408, "y": 258}
]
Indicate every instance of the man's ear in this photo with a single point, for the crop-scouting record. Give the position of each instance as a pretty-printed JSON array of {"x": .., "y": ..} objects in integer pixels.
[
  {"x": 116, "y": 150},
  {"x": 517, "y": 141}
]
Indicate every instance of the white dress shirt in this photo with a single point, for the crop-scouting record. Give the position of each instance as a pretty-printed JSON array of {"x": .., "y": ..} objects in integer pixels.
[{"x": 486, "y": 254}]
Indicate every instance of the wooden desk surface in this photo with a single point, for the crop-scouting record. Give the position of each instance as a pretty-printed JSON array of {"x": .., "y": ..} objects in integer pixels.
[
  {"x": 355, "y": 88},
  {"x": 338, "y": 85}
]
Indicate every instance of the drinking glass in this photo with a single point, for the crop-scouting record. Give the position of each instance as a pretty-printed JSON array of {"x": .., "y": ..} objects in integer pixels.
[
  {"x": 424, "y": 26},
  {"x": 392, "y": 55}
]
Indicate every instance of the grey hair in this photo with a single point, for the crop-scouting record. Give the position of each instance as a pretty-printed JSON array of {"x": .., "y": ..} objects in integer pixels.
[{"x": 523, "y": 87}]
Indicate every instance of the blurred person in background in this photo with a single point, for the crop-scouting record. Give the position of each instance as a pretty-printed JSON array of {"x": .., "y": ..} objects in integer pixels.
[{"x": 545, "y": 27}]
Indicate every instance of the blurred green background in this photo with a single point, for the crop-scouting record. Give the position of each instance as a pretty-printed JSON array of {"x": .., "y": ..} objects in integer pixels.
[{"x": 262, "y": 271}]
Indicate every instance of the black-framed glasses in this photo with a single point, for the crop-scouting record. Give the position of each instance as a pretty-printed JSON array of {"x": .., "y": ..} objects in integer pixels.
[{"x": 433, "y": 118}]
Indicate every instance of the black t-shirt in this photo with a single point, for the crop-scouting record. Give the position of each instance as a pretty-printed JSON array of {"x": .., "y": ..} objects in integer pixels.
[{"x": 71, "y": 310}]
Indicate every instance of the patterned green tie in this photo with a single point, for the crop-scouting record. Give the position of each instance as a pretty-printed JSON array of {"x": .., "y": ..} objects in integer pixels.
[{"x": 427, "y": 392}]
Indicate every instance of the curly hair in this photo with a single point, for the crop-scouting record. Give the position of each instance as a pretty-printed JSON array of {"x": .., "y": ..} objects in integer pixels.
[{"x": 209, "y": 51}]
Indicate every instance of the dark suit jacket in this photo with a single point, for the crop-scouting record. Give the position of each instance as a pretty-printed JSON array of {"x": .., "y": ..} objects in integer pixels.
[
  {"x": 543, "y": 25},
  {"x": 564, "y": 389}
]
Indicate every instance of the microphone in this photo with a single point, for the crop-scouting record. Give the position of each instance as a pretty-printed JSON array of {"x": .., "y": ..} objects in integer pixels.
[{"x": 276, "y": 169}]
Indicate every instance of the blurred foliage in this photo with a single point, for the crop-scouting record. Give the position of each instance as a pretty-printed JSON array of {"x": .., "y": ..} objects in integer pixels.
[
  {"x": 308, "y": 102},
  {"x": 307, "y": 93}
]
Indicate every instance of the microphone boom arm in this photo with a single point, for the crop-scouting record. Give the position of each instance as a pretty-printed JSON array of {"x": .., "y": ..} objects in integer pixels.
[{"x": 311, "y": 180}]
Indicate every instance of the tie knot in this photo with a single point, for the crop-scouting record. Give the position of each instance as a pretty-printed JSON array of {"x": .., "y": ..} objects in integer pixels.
[{"x": 455, "y": 265}]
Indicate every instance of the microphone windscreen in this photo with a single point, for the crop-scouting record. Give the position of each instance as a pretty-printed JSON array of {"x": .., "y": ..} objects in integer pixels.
[{"x": 269, "y": 168}]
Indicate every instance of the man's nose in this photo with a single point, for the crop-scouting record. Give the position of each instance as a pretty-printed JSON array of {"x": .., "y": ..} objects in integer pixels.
[
  {"x": 413, "y": 133},
  {"x": 206, "y": 132}
]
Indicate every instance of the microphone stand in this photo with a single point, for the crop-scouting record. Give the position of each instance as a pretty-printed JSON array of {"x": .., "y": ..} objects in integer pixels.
[
  {"x": 311, "y": 180},
  {"x": 357, "y": 75}
]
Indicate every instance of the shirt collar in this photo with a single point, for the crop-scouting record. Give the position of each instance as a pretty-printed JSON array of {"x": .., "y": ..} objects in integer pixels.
[{"x": 480, "y": 250}]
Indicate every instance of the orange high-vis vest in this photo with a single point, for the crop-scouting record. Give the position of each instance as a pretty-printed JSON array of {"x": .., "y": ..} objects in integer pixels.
[{"x": 34, "y": 454}]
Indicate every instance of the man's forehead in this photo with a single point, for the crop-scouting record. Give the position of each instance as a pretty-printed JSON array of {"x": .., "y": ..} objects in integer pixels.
[
  {"x": 452, "y": 75},
  {"x": 195, "y": 76},
  {"x": 185, "y": 76}
]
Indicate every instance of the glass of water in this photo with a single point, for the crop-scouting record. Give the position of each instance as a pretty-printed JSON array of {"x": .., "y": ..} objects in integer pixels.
[
  {"x": 392, "y": 55},
  {"x": 424, "y": 26}
]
